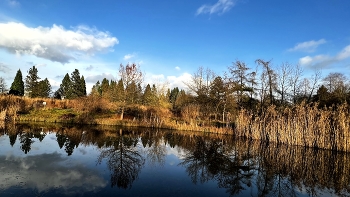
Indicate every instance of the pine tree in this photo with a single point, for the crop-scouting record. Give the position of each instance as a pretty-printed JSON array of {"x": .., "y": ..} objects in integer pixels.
[
  {"x": 44, "y": 88},
  {"x": 17, "y": 86},
  {"x": 78, "y": 85},
  {"x": 147, "y": 96},
  {"x": 31, "y": 84},
  {"x": 119, "y": 91},
  {"x": 64, "y": 89},
  {"x": 82, "y": 86},
  {"x": 105, "y": 88}
]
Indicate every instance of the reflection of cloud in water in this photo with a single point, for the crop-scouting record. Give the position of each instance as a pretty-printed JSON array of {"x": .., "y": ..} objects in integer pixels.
[
  {"x": 83, "y": 151},
  {"x": 48, "y": 171}
]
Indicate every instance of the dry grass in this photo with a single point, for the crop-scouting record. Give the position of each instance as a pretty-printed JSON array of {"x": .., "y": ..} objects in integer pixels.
[{"x": 303, "y": 125}]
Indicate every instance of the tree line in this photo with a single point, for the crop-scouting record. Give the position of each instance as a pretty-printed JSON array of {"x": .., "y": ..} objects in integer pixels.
[{"x": 210, "y": 96}]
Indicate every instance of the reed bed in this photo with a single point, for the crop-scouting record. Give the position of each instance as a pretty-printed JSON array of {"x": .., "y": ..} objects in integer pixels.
[{"x": 303, "y": 125}]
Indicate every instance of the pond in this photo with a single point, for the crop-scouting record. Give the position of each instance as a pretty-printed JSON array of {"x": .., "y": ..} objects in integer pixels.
[{"x": 63, "y": 160}]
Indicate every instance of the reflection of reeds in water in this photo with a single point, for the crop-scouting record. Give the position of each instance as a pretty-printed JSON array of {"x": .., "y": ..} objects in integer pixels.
[
  {"x": 249, "y": 161},
  {"x": 303, "y": 125}
]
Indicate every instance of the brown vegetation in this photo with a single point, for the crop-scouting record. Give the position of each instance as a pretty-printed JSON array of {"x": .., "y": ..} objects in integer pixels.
[{"x": 304, "y": 125}]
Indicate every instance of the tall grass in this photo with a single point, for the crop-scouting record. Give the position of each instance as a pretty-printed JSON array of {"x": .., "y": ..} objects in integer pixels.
[{"x": 304, "y": 125}]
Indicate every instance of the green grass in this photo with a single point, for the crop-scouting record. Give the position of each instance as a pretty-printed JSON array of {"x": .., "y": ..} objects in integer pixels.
[{"x": 49, "y": 115}]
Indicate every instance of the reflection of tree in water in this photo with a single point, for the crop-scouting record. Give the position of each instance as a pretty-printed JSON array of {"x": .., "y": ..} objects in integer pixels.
[
  {"x": 156, "y": 151},
  {"x": 26, "y": 141},
  {"x": 13, "y": 138},
  {"x": 123, "y": 160},
  {"x": 61, "y": 139},
  {"x": 70, "y": 144},
  {"x": 210, "y": 161}
]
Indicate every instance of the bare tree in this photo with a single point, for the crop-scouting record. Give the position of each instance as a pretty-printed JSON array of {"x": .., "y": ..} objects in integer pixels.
[
  {"x": 132, "y": 77},
  {"x": 295, "y": 80},
  {"x": 3, "y": 85},
  {"x": 283, "y": 80},
  {"x": 270, "y": 77},
  {"x": 315, "y": 79}
]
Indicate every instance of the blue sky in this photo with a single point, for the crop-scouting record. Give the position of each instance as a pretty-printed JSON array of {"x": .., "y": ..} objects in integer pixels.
[{"x": 170, "y": 40}]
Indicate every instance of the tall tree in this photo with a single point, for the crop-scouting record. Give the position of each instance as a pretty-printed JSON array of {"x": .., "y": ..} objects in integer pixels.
[
  {"x": 283, "y": 81},
  {"x": 17, "y": 86},
  {"x": 3, "y": 86},
  {"x": 270, "y": 77},
  {"x": 64, "y": 88},
  {"x": 31, "y": 82},
  {"x": 78, "y": 85},
  {"x": 44, "y": 88},
  {"x": 239, "y": 78},
  {"x": 132, "y": 77}
]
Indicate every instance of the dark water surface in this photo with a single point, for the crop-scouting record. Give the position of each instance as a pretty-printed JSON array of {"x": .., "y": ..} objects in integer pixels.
[{"x": 58, "y": 160}]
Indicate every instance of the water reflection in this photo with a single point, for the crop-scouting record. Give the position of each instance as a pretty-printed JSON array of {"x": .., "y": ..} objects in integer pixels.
[
  {"x": 123, "y": 159},
  {"x": 80, "y": 157}
]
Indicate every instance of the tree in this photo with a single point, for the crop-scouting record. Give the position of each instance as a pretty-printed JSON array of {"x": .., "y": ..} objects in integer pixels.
[
  {"x": 149, "y": 96},
  {"x": 200, "y": 86},
  {"x": 64, "y": 88},
  {"x": 44, "y": 88},
  {"x": 17, "y": 86},
  {"x": 239, "y": 78},
  {"x": 269, "y": 77},
  {"x": 283, "y": 81},
  {"x": 3, "y": 86},
  {"x": 78, "y": 86},
  {"x": 31, "y": 82},
  {"x": 131, "y": 77}
]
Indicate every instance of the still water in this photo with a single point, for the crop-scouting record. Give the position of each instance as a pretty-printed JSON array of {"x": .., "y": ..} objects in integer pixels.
[{"x": 61, "y": 160}]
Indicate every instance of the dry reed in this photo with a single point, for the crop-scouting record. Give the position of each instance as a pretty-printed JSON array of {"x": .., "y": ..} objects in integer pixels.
[{"x": 303, "y": 125}]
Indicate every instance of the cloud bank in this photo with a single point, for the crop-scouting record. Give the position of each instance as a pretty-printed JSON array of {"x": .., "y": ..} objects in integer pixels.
[
  {"x": 219, "y": 7},
  {"x": 54, "y": 43},
  {"x": 309, "y": 46},
  {"x": 325, "y": 60}
]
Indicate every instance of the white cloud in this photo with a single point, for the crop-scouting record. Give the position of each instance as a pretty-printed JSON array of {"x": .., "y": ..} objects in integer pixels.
[
  {"x": 177, "y": 68},
  {"x": 94, "y": 78},
  {"x": 325, "y": 60},
  {"x": 4, "y": 68},
  {"x": 309, "y": 46},
  {"x": 128, "y": 56},
  {"x": 53, "y": 43},
  {"x": 179, "y": 81},
  {"x": 345, "y": 53},
  {"x": 13, "y": 3},
  {"x": 220, "y": 7},
  {"x": 89, "y": 68}
]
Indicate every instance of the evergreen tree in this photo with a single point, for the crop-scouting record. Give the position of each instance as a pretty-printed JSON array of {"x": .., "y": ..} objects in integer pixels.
[
  {"x": 119, "y": 91},
  {"x": 105, "y": 88},
  {"x": 31, "y": 82},
  {"x": 132, "y": 93},
  {"x": 78, "y": 85},
  {"x": 82, "y": 86},
  {"x": 64, "y": 89},
  {"x": 96, "y": 89},
  {"x": 44, "y": 88},
  {"x": 147, "y": 97},
  {"x": 17, "y": 86}
]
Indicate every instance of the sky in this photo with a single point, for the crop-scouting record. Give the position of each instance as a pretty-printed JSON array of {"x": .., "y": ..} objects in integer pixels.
[{"x": 170, "y": 40}]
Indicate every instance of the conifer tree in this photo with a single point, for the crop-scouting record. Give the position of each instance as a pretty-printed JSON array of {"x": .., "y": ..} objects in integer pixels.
[
  {"x": 31, "y": 82},
  {"x": 44, "y": 88},
  {"x": 64, "y": 89},
  {"x": 17, "y": 86}
]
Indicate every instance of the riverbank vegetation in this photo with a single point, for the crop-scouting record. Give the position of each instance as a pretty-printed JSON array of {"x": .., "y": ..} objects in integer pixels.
[{"x": 269, "y": 103}]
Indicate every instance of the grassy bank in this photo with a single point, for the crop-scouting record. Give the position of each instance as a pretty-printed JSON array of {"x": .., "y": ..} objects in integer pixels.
[
  {"x": 94, "y": 111},
  {"x": 302, "y": 125}
]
